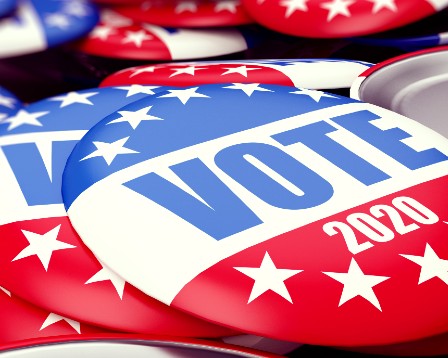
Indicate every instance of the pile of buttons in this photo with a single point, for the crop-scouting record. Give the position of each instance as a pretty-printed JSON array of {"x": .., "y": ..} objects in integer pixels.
[{"x": 223, "y": 178}]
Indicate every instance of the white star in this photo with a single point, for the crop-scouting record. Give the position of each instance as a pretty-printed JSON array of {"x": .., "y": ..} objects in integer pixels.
[
  {"x": 136, "y": 37},
  {"x": 294, "y": 5},
  {"x": 185, "y": 94},
  {"x": 242, "y": 70},
  {"x": 5, "y": 291},
  {"x": 23, "y": 117},
  {"x": 381, "y": 4},
  {"x": 356, "y": 283},
  {"x": 229, "y": 5},
  {"x": 141, "y": 70},
  {"x": 42, "y": 245},
  {"x": 138, "y": 89},
  {"x": 53, "y": 318},
  {"x": 315, "y": 95},
  {"x": 57, "y": 20},
  {"x": 7, "y": 101},
  {"x": 134, "y": 118},
  {"x": 186, "y": 70},
  {"x": 186, "y": 6},
  {"x": 102, "y": 32},
  {"x": 432, "y": 265},
  {"x": 76, "y": 8},
  {"x": 268, "y": 277},
  {"x": 337, "y": 7},
  {"x": 110, "y": 150},
  {"x": 106, "y": 274},
  {"x": 74, "y": 97},
  {"x": 248, "y": 88}
]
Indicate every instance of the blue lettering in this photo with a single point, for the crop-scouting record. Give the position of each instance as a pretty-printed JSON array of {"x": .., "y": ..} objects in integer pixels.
[
  {"x": 388, "y": 141},
  {"x": 31, "y": 174},
  {"x": 314, "y": 136},
  {"x": 225, "y": 213},
  {"x": 238, "y": 162}
]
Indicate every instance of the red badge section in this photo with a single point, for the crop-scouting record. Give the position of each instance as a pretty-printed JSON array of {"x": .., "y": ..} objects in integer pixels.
[
  {"x": 384, "y": 262},
  {"x": 62, "y": 275},
  {"x": 339, "y": 18},
  {"x": 21, "y": 321},
  {"x": 187, "y": 13}
]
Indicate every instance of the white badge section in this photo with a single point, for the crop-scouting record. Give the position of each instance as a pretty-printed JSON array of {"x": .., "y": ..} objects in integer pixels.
[
  {"x": 24, "y": 36},
  {"x": 159, "y": 253},
  {"x": 322, "y": 75},
  {"x": 13, "y": 206},
  {"x": 186, "y": 44}
]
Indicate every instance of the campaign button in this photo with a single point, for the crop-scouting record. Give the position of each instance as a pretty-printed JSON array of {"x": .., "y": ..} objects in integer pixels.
[
  {"x": 187, "y": 13},
  {"x": 339, "y": 18},
  {"x": 22, "y": 321},
  {"x": 413, "y": 84},
  {"x": 117, "y": 345},
  {"x": 143, "y": 41},
  {"x": 40, "y": 24},
  {"x": 281, "y": 204},
  {"x": 42, "y": 259},
  {"x": 319, "y": 73}
]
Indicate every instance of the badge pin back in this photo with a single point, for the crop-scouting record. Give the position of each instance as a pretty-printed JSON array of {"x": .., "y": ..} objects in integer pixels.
[
  {"x": 191, "y": 14},
  {"x": 309, "y": 73},
  {"x": 44, "y": 260},
  {"x": 40, "y": 24},
  {"x": 266, "y": 204},
  {"x": 413, "y": 84},
  {"x": 339, "y": 18},
  {"x": 126, "y": 345},
  {"x": 119, "y": 37}
]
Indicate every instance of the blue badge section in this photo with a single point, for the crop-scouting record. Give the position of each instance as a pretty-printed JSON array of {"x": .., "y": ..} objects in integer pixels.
[
  {"x": 187, "y": 117},
  {"x": 8, "y": 103},
  {"x": 58, "y": 124},
  {"x": 65, "y": 20},
  {"x": 7, "y": 6},
  {"x": 294, "y": 61}
]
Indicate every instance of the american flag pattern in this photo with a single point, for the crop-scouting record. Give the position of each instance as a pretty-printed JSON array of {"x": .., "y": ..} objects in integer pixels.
[
  {"x": 42, "y": 259},
  {"x": 281, "y": 204},
  {"x": 339, "y": 18},
  {"x": 7, "y": 6},
  {"x": 188, "y": 13},
  {"x": 308, "y": 73},
  {"x": 119, "y": 37},
  {"x": 40, "y": 24},
  {"x": 9, "y": 103}
]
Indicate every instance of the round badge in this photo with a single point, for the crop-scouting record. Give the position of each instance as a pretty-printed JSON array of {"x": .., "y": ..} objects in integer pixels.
[
  {"x": 413, "y": 85},
  {"x": 187, "y": 13},
  {"x": 339, "y": 18},
  {"x": 141, "y": 41},
  {"x": 40, "y": 24},
  {"x": 308, "y": 73},
  {"x": 7, "y": 6},
  {"x": 22, "y": 321},
  {"x": 42, "y": 258},
  {"x": 429, "y": 32},
  {"x": 281, "y": 204},
  {"x": 115, "y": 345}
]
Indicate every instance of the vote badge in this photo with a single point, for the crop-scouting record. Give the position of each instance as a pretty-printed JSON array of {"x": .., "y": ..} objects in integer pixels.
[
  {"x": 42, "y": 259},
  {"x": 284, "y": 212}
]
